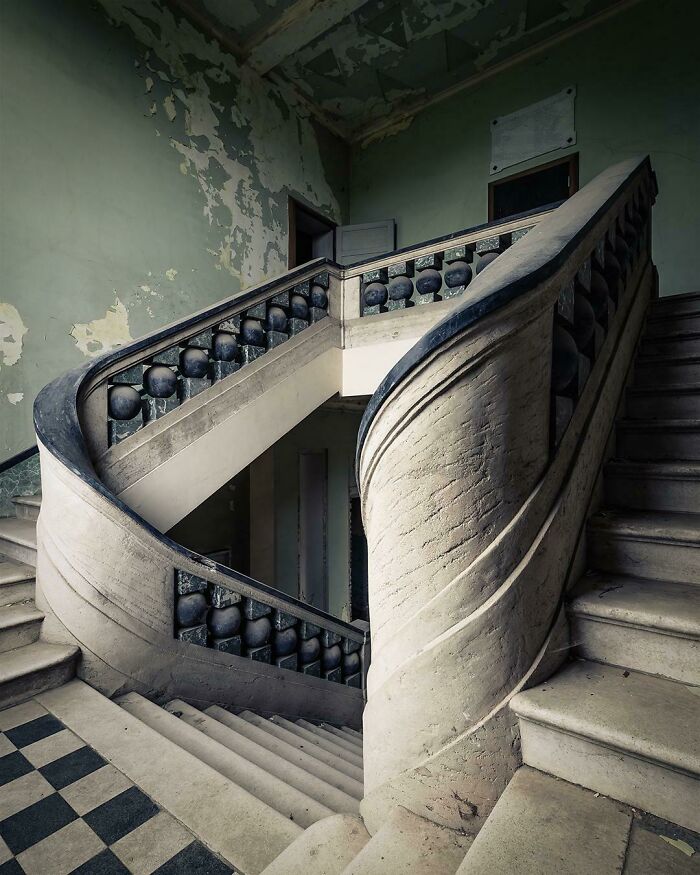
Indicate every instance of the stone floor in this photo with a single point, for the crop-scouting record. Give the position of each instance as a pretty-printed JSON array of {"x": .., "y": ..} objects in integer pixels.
[{"x": 64, "y": 809}]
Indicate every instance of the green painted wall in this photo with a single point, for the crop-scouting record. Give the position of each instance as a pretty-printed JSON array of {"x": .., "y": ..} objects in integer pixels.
[
  {"x": 143, "y": 175},
  {"x": 336, "y": 432},
  {"x": 638, "y": 91}
]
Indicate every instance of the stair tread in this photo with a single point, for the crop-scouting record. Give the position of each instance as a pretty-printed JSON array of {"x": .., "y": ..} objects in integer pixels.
[
  {"x": 662, "y": 525},
  {"x": 663, "y": 605},
  {"x": 33, "y": 657},
  {"x": 539, "y": 820},
  {"x": 659, "y": 424},
  {"x": 18, "y": 531},
  {"x": 33, "y": 500},
  {"x": 676, "y": 358},
  {"x": 676, "y": 470},
  {"x": 689, "y": 388},
  {"x": 244, "y": 831},
  {"x": 19, "y": 614},
  {"x": 12, "y": 571},
  {"x": 646, "y": 716},
  {"x": 271, "y": 791}
]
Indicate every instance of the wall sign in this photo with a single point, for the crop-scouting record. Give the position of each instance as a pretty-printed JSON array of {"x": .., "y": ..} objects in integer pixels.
[{"x": 534, "y": 130}]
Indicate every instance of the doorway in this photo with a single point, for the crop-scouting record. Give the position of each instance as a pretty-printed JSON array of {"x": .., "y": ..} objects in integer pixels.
[
  {"x": 533, "y": 189},
  {"x": 311, "y": 235}
]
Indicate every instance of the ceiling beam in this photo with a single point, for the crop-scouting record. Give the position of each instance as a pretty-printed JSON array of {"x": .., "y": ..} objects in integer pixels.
[{"x": 298, "y": 25}]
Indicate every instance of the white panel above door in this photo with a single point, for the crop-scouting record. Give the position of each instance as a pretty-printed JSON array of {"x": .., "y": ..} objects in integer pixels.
[{"x": 355, "y": 243}]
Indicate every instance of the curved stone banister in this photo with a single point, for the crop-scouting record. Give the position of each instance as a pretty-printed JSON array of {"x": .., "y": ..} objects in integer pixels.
[
  {"x": 477, "y": 459},
  {"x": 124, "y": 458}
]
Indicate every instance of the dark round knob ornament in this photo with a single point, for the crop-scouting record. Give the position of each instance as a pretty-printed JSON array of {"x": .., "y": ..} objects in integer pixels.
[
  {"x": 123, "y": 402},
  {"x": 160, "y": 381}
]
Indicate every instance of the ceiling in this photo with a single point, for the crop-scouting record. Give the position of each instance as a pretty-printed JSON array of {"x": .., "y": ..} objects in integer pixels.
[{"x": 363, "y": 65}]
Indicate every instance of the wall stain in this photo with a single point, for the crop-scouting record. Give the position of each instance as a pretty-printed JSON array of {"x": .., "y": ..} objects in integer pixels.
[
  {"x": 12, "y": 331},
  {"x": 101, "y": 335}
]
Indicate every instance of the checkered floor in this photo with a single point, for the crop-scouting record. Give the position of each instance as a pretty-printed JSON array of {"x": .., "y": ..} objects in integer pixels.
[{"x": 65, "y": 809}]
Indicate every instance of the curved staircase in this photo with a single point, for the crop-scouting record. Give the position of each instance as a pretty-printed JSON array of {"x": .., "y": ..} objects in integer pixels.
[{"x": 529, "y": 471}]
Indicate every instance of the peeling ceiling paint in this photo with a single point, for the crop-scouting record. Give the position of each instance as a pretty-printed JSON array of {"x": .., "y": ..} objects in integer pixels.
[
  {"x": 101, "y": 335},
  {"x": 387, "y": 56},
  {"x": 12, "y": 331}
]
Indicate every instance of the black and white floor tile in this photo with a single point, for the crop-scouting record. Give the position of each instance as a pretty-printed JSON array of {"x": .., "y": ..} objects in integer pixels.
[{"x": 64, "y": 809}]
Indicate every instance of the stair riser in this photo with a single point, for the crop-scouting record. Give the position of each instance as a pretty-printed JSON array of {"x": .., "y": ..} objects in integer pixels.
[
  {"x": 667, "y": 374},
  {"x": 675, "y": 306},
  {"x": 643, "y": 784},
  {"x": 25, "y": 687},
  {"x": 12, "y": 593},
  {"x": 652, "y": 493},
  {"x": 671, "y": 325},
  {"x": 641, "y": 445},
  {"x": 18, "y": 552},
  {"x": 18, "y": 636},
  {"x": 671, "y": 347},
  {"x": 26, "y": 512},
  {"x": 655, "y": 560},
  {"x": 663, "y": 405},
  {"x": 646, "y": 650}
]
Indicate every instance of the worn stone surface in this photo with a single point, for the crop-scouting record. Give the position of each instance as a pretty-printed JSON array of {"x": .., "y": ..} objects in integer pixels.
[{"x": 24, "y": 478}]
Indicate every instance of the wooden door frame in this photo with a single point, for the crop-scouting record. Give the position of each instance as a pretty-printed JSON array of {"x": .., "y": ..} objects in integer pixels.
[
  {"x": 292, "y": 204},
  {"x": 572, "y": 160}
]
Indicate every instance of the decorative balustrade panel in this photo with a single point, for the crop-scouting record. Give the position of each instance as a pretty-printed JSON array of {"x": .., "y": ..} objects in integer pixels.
[
  {"x": 211, "y": 615},
  {"x": 161, "y": 383},
  {"x": 587, "y": 305},
  {"x": 437, "y": 277}
]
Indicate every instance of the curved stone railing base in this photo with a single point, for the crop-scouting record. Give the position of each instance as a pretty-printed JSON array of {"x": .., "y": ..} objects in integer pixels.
[{"x": 125, "y": 630}]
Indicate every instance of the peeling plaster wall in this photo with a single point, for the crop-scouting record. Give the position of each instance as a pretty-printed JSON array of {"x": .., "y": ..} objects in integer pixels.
[
  {"x": 143, "y": 176},
  {"x": 638, "y": 91}
]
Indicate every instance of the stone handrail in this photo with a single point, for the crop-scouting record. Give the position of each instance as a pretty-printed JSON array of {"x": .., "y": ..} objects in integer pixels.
[
  {"x": 477, "y": 459},
  {"x": 96, "y": 557}
]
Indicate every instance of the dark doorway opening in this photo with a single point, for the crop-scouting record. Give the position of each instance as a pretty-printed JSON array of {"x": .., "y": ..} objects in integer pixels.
[
  {"x": 359, "y": 592},
  {"x": 533, "y": 189},
  {"x": 311, "y": 235}
]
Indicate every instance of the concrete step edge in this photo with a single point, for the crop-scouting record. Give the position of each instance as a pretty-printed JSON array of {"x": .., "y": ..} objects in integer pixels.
[
  {"x": 34, "y": 658},
  {"x": 351, "y": 746},
  {"x": 588, "y": 722},
  {"x": 269, "y": 790},
  {"x": 626, "y": 605},
  {"x": 246, "y": 832},
  {"x": 288, "y": 752},
  {"x": 684, "y": 470},
  {"x": 670, "y": 425},
  {"x": 19, "y": 614},
  {"x": 630, "y": 527},
  {"x": 275, "y": 765},
  {"x": 330, "y": 747}
]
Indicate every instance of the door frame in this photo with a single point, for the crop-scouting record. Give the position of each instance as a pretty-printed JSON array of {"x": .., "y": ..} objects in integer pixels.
[
  {"x": 293, "y": 204},
  {"x": 571, "y": 160}
]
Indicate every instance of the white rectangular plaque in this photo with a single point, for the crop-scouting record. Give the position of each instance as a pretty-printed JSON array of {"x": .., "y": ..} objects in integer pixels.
[{"x": 534, "y": 130}]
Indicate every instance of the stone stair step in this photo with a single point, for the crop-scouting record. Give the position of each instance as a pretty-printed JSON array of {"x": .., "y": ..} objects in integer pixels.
[
  {"x": 19, "y": 625},
  {"x": 689, "y": 302},
  {"x": 18, "y": 539},
  {"x": 628, "y": 735},
  {"x": 16, "y": 581},
  {"x": 351, "y": 746},
  {"x": 656, "y": 546},
  {"x": 314, "y": 738},
  {"x": 659, "y": 402},
  {"x": 408, "y": 843},
  {"x": 290, "y": 773},
  {"x": 325, "y": 848},
  {"x": 662, "y": 324},
  {"x": 288, "y": 752},
  {"x": 275, "y": 793},
  {"x": 352, "y": 733},
  {"x": 666, "y": 371},
  {"x": 343, "y": 732},
  {"x": 542, "y": 825},
  {"x": 27, "y": 506},
  {"x": 645, "y": 625},
  {"x": 657, "y": 486},
  {"x": 672, "y": 344},
  {"x": 29, "y": 670},
  {"x": 309, "y": 747},
  {"x": 659, "y": 439},
  {"x": 227, "y": 819}
]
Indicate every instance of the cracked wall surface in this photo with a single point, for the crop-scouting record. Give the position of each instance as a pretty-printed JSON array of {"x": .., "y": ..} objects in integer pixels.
[
  {"x": 144, "y": 176},
  {"x": 638, "y": 90}
]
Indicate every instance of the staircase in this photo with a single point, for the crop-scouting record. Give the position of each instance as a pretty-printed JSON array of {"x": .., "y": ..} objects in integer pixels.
[
  {"x": 27, "y": 665},
  {"x": 621, "y": 719}
]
